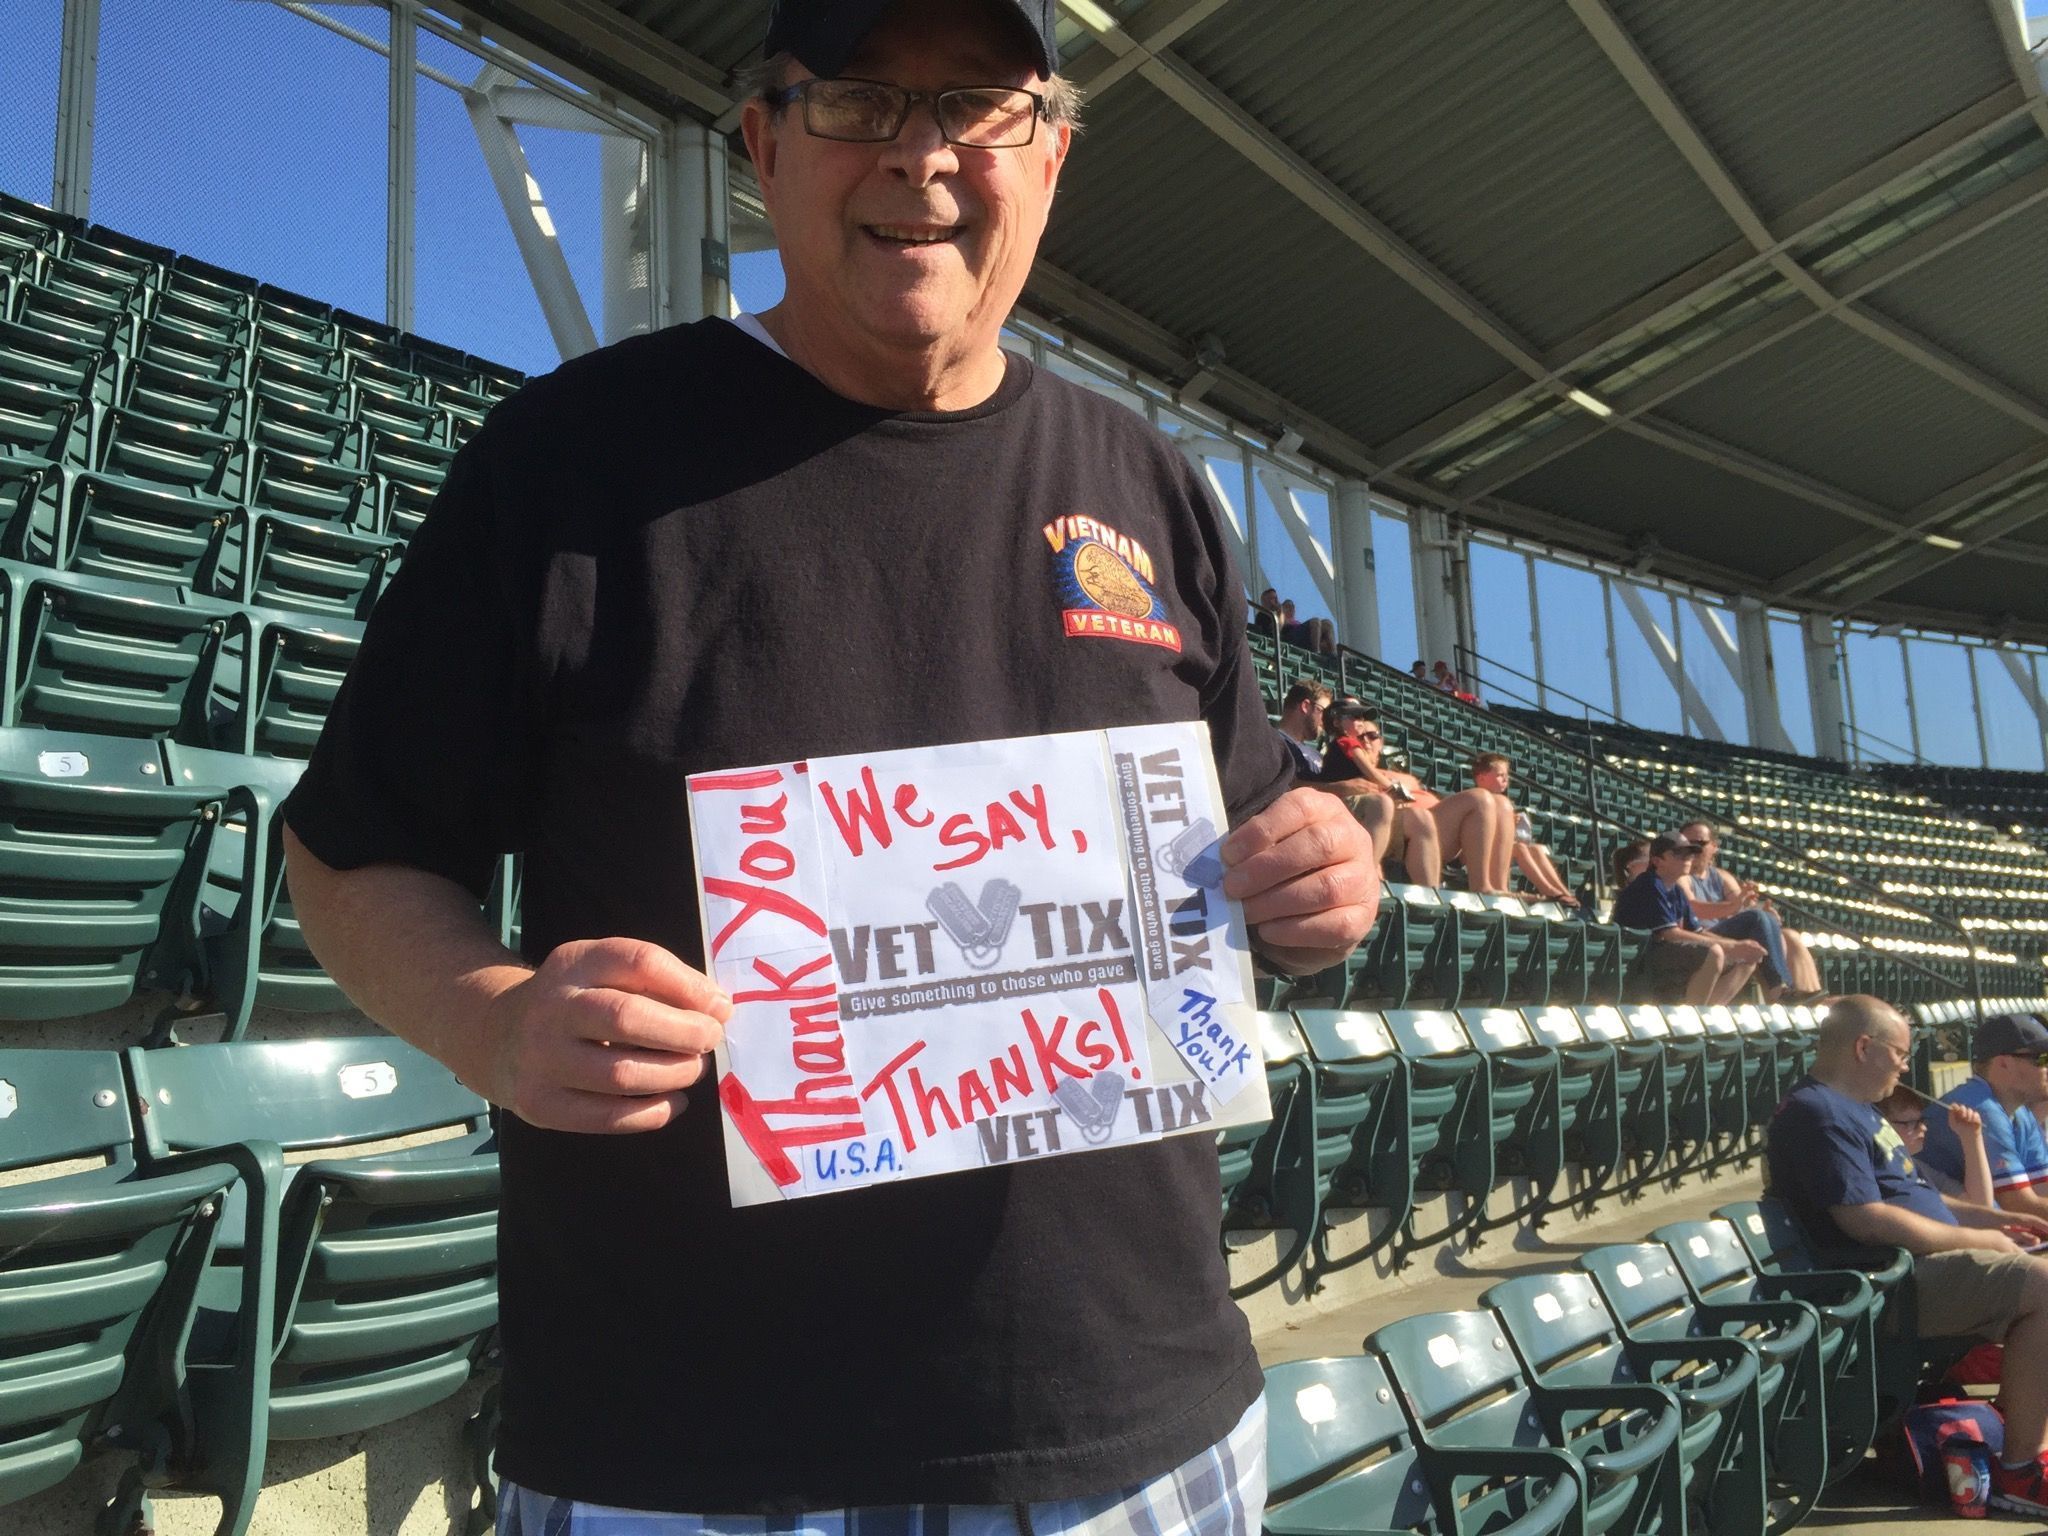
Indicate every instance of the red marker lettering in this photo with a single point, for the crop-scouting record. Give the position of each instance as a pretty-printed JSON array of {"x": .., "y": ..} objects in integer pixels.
[
  {"x": 757, "y": 898},
  {"x": 863, "y": 809},
  {"x": 771, "y": 1144}
]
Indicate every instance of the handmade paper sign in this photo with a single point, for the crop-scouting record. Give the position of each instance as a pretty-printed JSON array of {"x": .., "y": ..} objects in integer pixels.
[{"x": 968, "y": 956}]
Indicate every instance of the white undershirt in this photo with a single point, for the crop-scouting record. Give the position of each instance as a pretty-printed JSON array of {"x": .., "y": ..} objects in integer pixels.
[{"x": 751, "y": 324}]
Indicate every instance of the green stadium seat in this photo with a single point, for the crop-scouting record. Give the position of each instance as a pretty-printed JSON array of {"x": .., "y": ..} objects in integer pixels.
[
  {"x": 1718, "y": 1267},
  {"x": 384, "y": 1262},
  {"x": 1730, "y": 1061},
  {"x": 1463, "y": 1386},
  {"x": 312, "y": 488},
  {"x": 1526, "y": 1111},
  {"x": 1688, "y": 1102},
  {"x": 312, "y": 566},
  {"x": 1450, "y": 1114},
  {"x": 292, "y": 670},
  {"x": 153, "y": 507},
  {"x": 1365, "y": 1135},
  {"x": 1566, "y": 1337},
  {"x": 100, "y": 1270},
  {"x": 100, "y": 862},
  {"x": 1649, "y": 1297},
  {"x": 1342, "y": 1457},
  {"x": 168, "y": 393},
  {"x": 118, "y": 658},
  {"x": 1413, "y": 954},
  {"x": 1590, "y": 1085},
  {"x": 1269, "y": 1173}
]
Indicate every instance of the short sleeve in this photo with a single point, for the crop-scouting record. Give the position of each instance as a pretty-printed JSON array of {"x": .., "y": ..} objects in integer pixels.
[
  {"x": 2007, "y": 1148},
  {"x": 426, "y": 755}
]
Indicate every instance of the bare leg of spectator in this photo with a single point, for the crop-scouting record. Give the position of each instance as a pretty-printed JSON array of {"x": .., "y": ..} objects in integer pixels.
[
  {"x": 1424, "y": 858},
  {"x": 1533, "y": 859},
  {"x": 1733, "y": 979},
  {"x": 2023, "y": 1395},
  {"x": 1699, "y": 988},
  {"x": 1469, "y": 829},
  {"x": 1503, "y": 843},
  {"x": 1799, "y": 961}
]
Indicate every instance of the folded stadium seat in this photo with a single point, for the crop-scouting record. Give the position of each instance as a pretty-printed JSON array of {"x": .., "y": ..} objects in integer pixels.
[
  {"x": 72, "y": 314},
  {"x": 1648, "y": 1296},
  {"x": 41, "y": 425},
  {"x": 1794, "y": 1029},
  {"x": 1611, "y": 954},
  {"x": 395, "y": 416},
  {"x": 1688, "y": 1105},
  {"x": 462, "y": 410},
  {"x": 118, "y": 658},
  {"x": 300, "y": 430},
  {"x": 1537, "y": 938},
  {"x": 321, "y": 490},
  {"x": 1590, "y": 1082},
  {"x": 312, "y": 566},
  {"x": 100, "y": 867},
  {"x": 85, "y": 370},
  {"x": 383, "y": 1259},
  {"x": 199, "y": 304},
  {"x": 221, "y": 356},
  {"x": 292, "y": 669},
  {"x": 411, "y": 473},
  {"x": 1366, "y": 1138},
  {"x": 255, "y": 951},
  {"x": 1526, "y": 1112},
  {"x": 442, "y": 365},
  {"x": 152, "y": 509},
  {"x": 1565, "y": 1336},
  {"x": 1462, "y": 1386},
  {"x": 1269, "y": 1170},
  {"x": 25, "y": 238},
  {"x": 1412, "y": 955},
  {"x": 274, "y": 377},
  {"x": 99, "y": 1276},
  {"x": 29, "y": 496},
  {"x": 1769, "y": 1065},
  {"x": 493, "y": 380},
  {"x": 157, "y": 388},
  {"x": 306, "y": 321},
  {"x": 1717, "y": 1265},
  {"x": 1730, "y": 1059},
  {"x": 1470, "y": 961},
  {"x": 1449, "y": 1093},
  {"x": 1342, "y": 1456}
]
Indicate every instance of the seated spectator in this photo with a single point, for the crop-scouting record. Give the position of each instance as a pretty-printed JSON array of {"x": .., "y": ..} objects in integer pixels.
[
  {"x": 1906, "y": 1109},
  {"x": 1301, "y": 726},
  {"x": 1473, "y": 827},
  {"x": 2010, "y": 1079},
  {"x": 1630, "y": 861},
  {"x": 1318, "y": 635},
  {"x": 1493, "y": 772},
  {"x": 1399, "y": 829},
  {"x": 1420, "y": 672},
  {"x": 1687, "y": 964},
  {"x": 1850, "y": 1182},
  {"x": 1738, "y": 909},
  {"x": 1445, "y": 680}
]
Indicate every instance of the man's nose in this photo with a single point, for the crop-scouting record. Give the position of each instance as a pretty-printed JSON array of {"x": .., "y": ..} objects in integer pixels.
[{"x": 920, "y": 150}]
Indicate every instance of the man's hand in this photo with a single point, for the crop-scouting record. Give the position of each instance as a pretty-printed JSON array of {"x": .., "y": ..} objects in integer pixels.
[
  {"x": 1309, "y": 880},
  {"x": 602, "y": 1039},
  {"x": 1967, "y": 1124},
  {"x": 1993, "y": 1239},
  {"x": 1745, "y": 951},
  {"x": 2028, "y": 1229}
]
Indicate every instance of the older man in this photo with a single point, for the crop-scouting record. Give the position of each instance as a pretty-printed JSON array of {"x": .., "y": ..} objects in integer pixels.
[
  {"x": 1847, "y": 1176},
  {"x": 861, "y": 500}
]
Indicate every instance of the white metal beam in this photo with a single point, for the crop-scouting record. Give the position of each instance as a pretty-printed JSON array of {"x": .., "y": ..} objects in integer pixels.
[
  {"x": 1294, "y": 521},
  {"x": 1233, "y": 524},
  {"x": 543, "y": 109},
  {"x": 1159, "y": 25},
  {"x": 77, "y": 83},
  {"x": 2030, "y": 689},
  {"x": 1666, "y": 651},
  {"x": 533, "y": 228},
  {"x": 1898, "y": 573},
  {"x": 622, "y": 45}
]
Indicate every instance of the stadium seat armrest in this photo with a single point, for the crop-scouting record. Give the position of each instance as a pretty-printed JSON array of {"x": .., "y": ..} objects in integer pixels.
[
  {"x": 376, "y": 1182},
  {"x": 1821, "y": 1287}
]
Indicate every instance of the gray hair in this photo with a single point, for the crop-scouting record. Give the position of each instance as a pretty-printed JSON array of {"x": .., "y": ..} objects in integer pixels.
[{"x": 763, "y": 79}]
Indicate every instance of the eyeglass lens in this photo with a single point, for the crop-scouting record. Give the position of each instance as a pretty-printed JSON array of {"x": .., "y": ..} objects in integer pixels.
[{"x": 870, "y": 112}]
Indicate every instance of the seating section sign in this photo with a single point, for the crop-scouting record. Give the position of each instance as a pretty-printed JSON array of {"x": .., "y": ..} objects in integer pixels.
[{"x": 970, "y": 956}]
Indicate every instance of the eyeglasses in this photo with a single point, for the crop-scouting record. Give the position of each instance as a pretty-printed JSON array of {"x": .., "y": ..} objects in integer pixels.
[
  {"x": 874, "y": 112},
  {"x": 1369, "y": 736},
  {"x": 1917, "y": 1123},
  {"x": 1900, "y": 1053},
  {"x": 2039, "y": 1059}
]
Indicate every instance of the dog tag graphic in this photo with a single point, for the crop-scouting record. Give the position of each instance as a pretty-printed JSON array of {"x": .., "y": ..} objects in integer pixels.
[{"x": 1092, "y": 1105}]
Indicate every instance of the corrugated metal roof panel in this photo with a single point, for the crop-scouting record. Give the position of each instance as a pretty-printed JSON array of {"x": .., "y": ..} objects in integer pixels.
[
  {"x": 1491, "y": 136},
  {"x": 1985, "y": 588},
  {"x": 1844, "y": 409},
  {"x": 1198, "y": 244},
  {"x": 724, "y": 33},
  {"x": 1631, "y": 486},
  {"x": 1984, "y": 301},
  {"x": 1796, "y": 97}
]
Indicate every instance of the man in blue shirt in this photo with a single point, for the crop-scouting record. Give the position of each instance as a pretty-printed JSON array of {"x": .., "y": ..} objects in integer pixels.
[
  {"x": 1687, "y": 963},
  {"x": 1846, "y": 1175},
  {"x": 2010, "y": 1054}
]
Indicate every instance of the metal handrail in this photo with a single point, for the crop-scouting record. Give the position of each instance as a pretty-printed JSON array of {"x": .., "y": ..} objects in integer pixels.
[
  {"x": 1586, "y": 706},
  {"x": 1590, "y": 754},
  {"x": 1911, "y": 758}
]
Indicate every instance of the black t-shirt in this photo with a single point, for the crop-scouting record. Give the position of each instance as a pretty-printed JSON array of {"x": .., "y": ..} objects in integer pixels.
[{"x": 684, "y": 553}]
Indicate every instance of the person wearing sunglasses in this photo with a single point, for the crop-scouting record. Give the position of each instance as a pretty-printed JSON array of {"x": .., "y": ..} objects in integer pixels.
[
  {"x": 1907, "y": 1110},
  {"x": 2009, "y": 1063},
  {"x": 1853, "y": 1185}
]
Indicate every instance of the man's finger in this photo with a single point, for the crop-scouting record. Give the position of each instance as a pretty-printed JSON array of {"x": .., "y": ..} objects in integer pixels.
[
  {"x": 1320, "y": 890},
  {"x": 626, "y": 1018},
  {"x": 1280, "y": 820},
  {"x": 1317, "y": 845},
  {"x": 623, "y": 1072},
  {"x": 634, "y": 965},
  {"x": 595, "y": 1114}
]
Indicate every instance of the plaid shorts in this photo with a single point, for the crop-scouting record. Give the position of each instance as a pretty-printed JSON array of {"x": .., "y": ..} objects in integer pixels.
[{"x": 1220, "y": 1492}]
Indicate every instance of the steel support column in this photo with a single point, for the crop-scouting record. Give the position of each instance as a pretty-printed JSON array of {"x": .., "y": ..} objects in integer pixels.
[
  {"x": 1435, "y": 549},
  {"x": 696, "y": 225},
  {"x": 2030, "y": 689},
  {"x": 401, "y": 163},
  {"x": 626, "y": 220},
  {"x": 1824, "y": 686},
  {"x": 77, "y": 82},
  {"x": 533, "y": 227},
  {"x": 1358, "y": 586},
  {"x": 1665, "y": 648},
  {"x": 1756, "y": 671}
]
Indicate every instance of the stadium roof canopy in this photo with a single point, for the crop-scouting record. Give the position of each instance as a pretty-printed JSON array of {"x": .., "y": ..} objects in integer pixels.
[{"x": 1743, "y": 292}]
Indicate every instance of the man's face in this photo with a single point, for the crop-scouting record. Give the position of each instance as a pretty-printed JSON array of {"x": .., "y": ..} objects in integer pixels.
[
  {"x": 2019, "y": 1075},
  {"x": 1699, "y": 834},
  {"x": 914, "y": 243},
  {"x": 1270, "y": 600},
  {"x": 1881, "y": 1058},
  {"x": 1672, "y": 867}
]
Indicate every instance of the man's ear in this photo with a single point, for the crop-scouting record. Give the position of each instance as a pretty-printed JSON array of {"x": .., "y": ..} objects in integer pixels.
[
  {"x": 758, "y": 128},
  {"x": 1062, "y": 141}
]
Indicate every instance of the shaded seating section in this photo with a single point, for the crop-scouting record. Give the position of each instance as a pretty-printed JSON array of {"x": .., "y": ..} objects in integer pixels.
[{"x": 261, "y": 1261}]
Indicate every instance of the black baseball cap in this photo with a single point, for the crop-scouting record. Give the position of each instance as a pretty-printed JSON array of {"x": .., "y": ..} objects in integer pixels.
[
  {"x": 2009, "y": 1034},
  {"x": 1671, "y": 842},
  {"x": 823, "y": 34}
]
